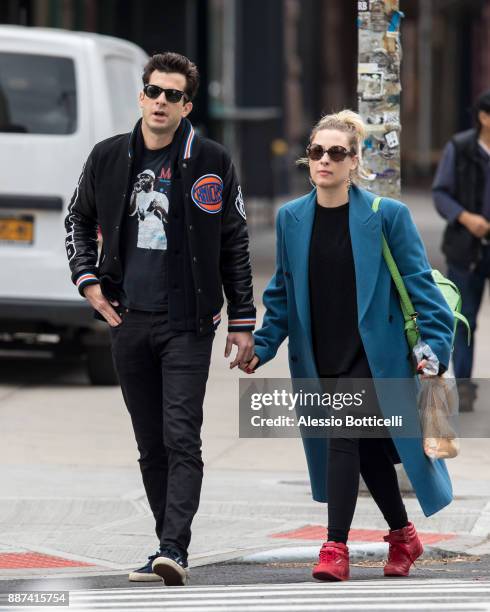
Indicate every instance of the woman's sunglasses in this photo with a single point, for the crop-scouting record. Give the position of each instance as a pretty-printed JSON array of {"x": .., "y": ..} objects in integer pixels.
[
  {"x": 336, "y": 153},
  {"x": 171, "y": 95}
]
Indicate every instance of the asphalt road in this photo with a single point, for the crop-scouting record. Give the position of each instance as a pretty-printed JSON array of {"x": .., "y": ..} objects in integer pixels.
[{"x": 478, "y": 568}]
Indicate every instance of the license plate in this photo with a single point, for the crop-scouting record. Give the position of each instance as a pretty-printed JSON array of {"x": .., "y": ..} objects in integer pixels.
[{"x": 17, "y": 230}]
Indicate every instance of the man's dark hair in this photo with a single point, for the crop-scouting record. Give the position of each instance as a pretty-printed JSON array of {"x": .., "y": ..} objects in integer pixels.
[
  {"x": 482, "y": 104},
  {"x": 174, "y": 62}
]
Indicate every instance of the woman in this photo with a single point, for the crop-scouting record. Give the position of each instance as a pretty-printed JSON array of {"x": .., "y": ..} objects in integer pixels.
[{"x": 332, "y": 295}]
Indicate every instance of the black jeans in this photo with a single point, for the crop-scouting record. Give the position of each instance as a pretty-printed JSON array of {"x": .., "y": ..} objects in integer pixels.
[
  {"x": 373, "y": 459},
  {"x": 163, "y": 377}
]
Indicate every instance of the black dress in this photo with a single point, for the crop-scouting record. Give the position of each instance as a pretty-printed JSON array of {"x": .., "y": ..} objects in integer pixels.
[{"x": 337, "y": 343}]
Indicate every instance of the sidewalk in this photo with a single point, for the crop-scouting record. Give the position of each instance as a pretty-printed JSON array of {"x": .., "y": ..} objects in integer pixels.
[{"x": 72, "y": 502}]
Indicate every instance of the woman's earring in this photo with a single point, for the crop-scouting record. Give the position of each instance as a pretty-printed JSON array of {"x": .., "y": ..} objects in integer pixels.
[
  {"x": 312, "y": 182},
  {"x": 349, "y": 183}
]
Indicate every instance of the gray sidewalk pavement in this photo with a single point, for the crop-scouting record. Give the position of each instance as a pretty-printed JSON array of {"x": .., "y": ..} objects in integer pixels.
[{"x": 71, "y": 487}]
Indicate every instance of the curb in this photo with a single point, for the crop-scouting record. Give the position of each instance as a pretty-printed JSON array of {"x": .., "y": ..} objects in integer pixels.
[
  {"x": 461, "y": 546},
  {"x": 359, "y": 551}
]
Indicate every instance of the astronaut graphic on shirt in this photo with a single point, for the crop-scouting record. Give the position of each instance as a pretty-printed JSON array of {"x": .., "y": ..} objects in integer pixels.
[{"x": 151, "y": 208}]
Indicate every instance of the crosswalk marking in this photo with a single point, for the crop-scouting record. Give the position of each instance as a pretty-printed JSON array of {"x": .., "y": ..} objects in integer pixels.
[
  {"x": 382, "y": 594},
  {"x": 216, "y": 597},
  {"x": 393, "y": 583}
]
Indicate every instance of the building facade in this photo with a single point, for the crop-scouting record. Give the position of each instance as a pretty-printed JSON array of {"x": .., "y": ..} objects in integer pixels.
[{"x": 271, "y": 68}]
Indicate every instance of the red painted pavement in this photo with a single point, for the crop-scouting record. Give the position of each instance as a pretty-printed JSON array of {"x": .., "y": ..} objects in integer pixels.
[
  {"x": 36, "y": 560},
  {"x": 319, "y": 532}
]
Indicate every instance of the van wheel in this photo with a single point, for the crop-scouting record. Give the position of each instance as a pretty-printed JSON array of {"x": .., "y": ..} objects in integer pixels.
[{"x": 100, "y": 366}]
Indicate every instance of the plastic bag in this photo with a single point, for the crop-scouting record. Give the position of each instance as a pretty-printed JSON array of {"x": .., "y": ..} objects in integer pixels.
[
  {"x": 427, "y": 362},
  {"x": 438, "y": 408}
]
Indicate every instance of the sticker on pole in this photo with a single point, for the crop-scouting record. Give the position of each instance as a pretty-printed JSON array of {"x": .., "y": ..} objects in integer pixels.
[{"x": 392, "y": 139}]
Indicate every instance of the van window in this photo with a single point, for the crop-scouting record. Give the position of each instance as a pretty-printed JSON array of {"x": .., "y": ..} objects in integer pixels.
[
  {"x": 37, "y": 94},
  {"x": 121, "y": 83}
]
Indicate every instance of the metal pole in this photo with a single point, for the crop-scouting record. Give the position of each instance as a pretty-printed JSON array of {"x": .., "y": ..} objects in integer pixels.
[
  {"x": 424, "y": 132},
  {"x": 379, "y": 93},
  {"x": 379, "y": 90}
]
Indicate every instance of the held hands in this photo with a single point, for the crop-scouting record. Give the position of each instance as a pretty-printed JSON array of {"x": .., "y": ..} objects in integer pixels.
[
  {"x": 249, "y": 368},
  {"x": 245, "y": 343},
  {"x": 476, "y": 224},
  {"x": 99, "y": 302}
]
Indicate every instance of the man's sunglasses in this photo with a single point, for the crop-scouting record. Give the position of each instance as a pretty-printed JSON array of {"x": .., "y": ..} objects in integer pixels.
[
  {"x": 171, "y": 95},
  {"x": 336, "y": 153}
]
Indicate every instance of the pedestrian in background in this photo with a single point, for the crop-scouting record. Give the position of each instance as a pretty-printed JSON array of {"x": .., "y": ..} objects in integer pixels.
[
  {"x": 461, "y": 192},
  {"x": 172, "y": 218},
  {"x": 332, "y": 295}
]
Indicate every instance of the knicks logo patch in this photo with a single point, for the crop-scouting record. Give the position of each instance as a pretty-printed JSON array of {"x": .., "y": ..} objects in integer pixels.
[{"x": 207, "y": 193}]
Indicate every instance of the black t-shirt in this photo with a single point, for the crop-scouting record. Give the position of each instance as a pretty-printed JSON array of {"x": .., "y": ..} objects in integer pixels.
[
  {"x": 337, "y": 343},
  {"x": 144, "y": 245}
]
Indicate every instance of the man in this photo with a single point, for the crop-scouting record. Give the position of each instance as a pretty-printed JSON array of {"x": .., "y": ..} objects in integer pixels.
[
  {"x": 158, "y": 283},
  {"x": 461, "y": 193}
]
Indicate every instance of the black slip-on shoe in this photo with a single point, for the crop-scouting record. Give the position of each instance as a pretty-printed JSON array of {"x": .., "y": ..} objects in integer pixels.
[
  {"x": 171, "y": 566},
  {"x": 145, "y": 573}
]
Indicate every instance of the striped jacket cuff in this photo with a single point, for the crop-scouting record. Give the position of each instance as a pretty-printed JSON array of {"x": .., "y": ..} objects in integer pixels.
[
  {"x": 84, "y": 280},
  {"x": 241, "y": 324}
]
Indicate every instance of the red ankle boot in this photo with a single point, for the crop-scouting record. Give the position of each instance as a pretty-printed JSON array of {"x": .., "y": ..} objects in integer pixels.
[
  {"x": 405, "y": 549},
  {"x": 333, "y": 563}
]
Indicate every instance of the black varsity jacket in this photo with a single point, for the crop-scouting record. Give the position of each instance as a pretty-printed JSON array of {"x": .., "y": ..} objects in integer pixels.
[{"x": 214, "y": 223}]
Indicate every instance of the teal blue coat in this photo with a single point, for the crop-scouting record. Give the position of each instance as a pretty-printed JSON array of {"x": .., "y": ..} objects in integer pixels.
[{"x": 379, "y": 317}]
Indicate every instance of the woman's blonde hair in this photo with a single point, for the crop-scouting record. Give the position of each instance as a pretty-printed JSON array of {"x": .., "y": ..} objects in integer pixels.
[{"x": 346, "y": 121}]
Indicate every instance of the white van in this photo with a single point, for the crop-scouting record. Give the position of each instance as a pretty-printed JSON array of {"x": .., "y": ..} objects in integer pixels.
[{"x": 60, "y": 93}]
